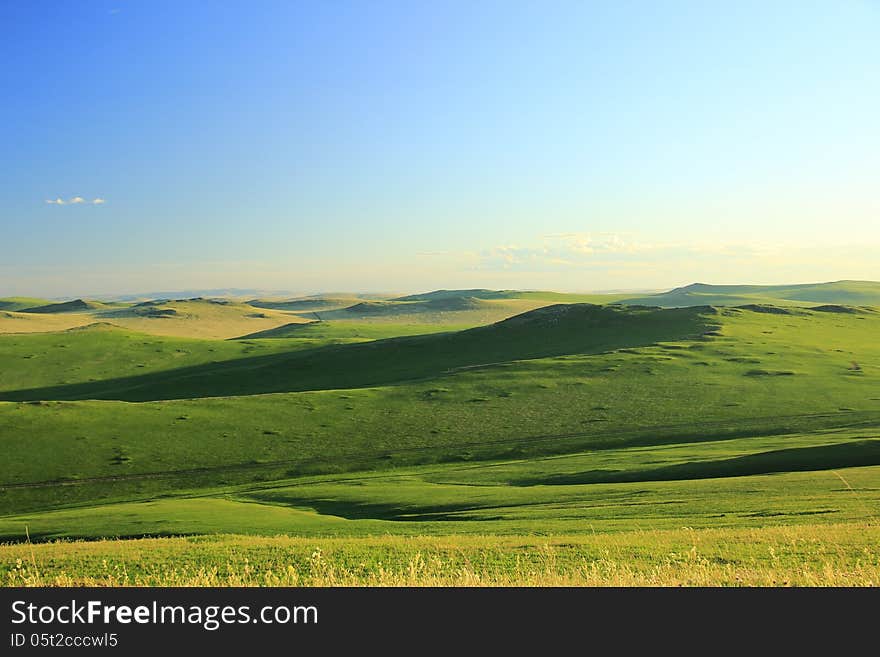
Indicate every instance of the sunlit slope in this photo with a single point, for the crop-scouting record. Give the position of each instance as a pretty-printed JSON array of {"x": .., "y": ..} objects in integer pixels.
[
  {"x": 549, "y": 331},
  {"x": 857, "y": 293},
  {"x": 19, "y": 322}
]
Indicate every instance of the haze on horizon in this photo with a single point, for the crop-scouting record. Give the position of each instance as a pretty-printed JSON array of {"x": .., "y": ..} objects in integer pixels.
[{"x": 404, "y": 147}]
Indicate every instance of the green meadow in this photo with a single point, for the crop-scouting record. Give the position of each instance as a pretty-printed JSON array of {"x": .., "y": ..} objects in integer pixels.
[{"x": 470, "y": 437}]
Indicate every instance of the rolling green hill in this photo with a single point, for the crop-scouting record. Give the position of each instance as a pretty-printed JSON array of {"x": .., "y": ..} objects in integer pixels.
[{"x": 549, "y": 331}]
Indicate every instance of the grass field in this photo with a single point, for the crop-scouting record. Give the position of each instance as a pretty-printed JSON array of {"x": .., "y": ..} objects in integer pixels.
[
  {"x": 567, "y": 429},
  {"x": 806, "y": 555}
]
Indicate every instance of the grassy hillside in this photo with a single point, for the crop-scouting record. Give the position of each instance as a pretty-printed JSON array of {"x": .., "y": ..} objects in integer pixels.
[{"x": 857, "y": 293}]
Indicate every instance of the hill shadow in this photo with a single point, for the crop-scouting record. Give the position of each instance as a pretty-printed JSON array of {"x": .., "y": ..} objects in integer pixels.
[{"x": 796, "y": 459}]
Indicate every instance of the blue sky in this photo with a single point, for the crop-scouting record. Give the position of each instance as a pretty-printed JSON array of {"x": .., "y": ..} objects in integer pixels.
[{"x": 378, "y": 146}]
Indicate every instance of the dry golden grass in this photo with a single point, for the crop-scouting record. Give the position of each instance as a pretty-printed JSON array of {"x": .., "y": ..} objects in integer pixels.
[
  {"x": 806, "y": 555},
  {"x": 200, "y": 319},
  {"x": 195, "y": 319},
  {"x": 12, "y": 322}
]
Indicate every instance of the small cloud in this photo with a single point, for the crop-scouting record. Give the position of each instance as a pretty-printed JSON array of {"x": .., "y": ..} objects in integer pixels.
[
  {"x": 98, "y": 201},
  {"x": 57, "y": 201},
  {"x": 550, "y": 236},
  {"x": 77, "y": 199}
]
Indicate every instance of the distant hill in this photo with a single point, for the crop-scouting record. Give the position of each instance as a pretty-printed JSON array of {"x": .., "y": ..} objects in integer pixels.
[
  {"x": 459, "y": 310},
  {"x": 197, "y": 317},
  {"x": 231, "y": 292},
  {"x": 13, "y": 304},
  {"x": 306, "y": 304},
  {"x": 472, "y": 307},
  {"x": 534, "y": 295},
  {"x": 438, "y": 295},
  {"x": 859, "y": 293},
  {"x": 437, "y": 304},
  {"x": 75, "y": 306}
]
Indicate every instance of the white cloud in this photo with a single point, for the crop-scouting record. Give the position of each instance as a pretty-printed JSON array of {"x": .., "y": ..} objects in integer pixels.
[
  {"x": 76, "y": 200},
  {"x": 563, "y": 250}
]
